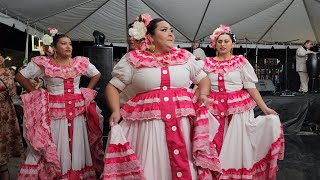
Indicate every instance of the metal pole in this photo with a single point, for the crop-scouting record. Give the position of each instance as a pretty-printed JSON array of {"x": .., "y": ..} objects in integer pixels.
[
  {"x": 286, "y": 67},
  {"x": 246, "y": 49},
  {"x": 26, "y": 52},
  {"x": 127, "y": 27},
  {"x": 256, "y": 65}
]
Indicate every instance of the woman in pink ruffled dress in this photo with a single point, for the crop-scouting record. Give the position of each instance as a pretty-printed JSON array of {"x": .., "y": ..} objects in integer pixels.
[
  {"x": 61, "y": 123},
  {"x": 248, "y": 147},
  {"x": 156, "y": 121}
]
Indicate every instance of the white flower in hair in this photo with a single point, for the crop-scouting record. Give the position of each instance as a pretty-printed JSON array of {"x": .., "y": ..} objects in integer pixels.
[
  {"x": 47, "y": 39},
  {"x": 138, "y": 30}
]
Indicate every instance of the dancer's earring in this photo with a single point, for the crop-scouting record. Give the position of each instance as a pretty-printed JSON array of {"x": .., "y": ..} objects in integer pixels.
[
  {"x": 54, "y": 55},
  {"x": 152, "y": 48}
]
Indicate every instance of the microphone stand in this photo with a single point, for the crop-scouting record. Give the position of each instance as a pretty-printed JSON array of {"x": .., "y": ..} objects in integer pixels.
[
  {"x": 247, "y": 40},
  {"x": 287, "y": 92},
  {"x": 256, "y": 55}
]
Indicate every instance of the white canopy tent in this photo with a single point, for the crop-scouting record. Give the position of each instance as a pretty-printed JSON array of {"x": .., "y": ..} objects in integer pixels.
[{"x": 259, "y": 23}]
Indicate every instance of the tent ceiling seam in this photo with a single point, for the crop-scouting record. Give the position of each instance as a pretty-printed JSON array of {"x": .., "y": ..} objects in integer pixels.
[
  {"x": 309, "y": 17},
  {"x": 250, "y": 15},
  {"x": 205, "y": 12},
  {"x": 165, "y": 19},
  {"x": 127, "y": 23},
  {"x": 275, "y": 21},
  {"x": 62, "y": 11},
  {"x": 87, "y": 16}
]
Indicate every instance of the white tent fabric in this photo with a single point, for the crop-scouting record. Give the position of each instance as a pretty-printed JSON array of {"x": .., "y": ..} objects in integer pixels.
[
  {"x": 9, "y": 21},
  {"x": 253, "y": 21}
]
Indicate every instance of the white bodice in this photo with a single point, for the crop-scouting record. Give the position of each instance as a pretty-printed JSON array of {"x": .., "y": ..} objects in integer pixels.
[
  {"x": 146, "y": 79},
  {"x": 237, "y": 73},
  {"x": 54, "y": 75}
]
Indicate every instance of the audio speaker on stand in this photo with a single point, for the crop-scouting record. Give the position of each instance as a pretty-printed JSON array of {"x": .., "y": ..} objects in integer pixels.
[
  {"x": 102, "y": 58},
  {"x": 265, "y": 87}
]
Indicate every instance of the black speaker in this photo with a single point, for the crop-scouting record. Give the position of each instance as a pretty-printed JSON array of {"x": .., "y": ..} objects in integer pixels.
[
  {"x": 265, "y": 86},
  {"x": 102, "y": 58}
]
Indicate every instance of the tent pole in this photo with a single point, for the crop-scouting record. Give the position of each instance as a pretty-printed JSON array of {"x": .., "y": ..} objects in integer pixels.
[
  {"x": 64, "y": 10},
  {"x": 275, "y": 22},
  {"x": 278, "y": 2},
  {"x": 87, "y": 17},
  {"x": 127, "y": 27},
  {"x": 204, "y": 14},
  {"x": 27, "y": 43},
  {"x": 166, "y": 20},
  {"x": 311, "y": 22},
  {"x": 256, "y": 64}
]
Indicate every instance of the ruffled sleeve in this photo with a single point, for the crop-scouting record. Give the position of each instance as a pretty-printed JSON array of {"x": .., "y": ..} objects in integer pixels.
[
  {"x": 91, "y": 71},
  {"x": 32, "y": 70},
  {"x": 196, "y": 72},
  {"x": 199, "y": 53},
  {"x": 248, "y": 76},
  {"x": 200, "y": 63},
  {"x": 122, "y": 74}
]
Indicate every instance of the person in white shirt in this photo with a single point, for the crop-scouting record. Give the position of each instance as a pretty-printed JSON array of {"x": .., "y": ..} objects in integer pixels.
[
  {"x": 301, "y": 68},
  {"x": 197, "y": 51}
]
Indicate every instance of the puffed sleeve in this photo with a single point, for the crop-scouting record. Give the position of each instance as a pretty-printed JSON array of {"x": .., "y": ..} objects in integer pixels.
[
  {"x": 32, "y": 70},
  {"x": 91, "y": 71},
  {"x": 248, "y": 76},
  {"x": 122, "y": 74},
  {"x": 200, "y": 63},
  {"x": 196, "y": 72},
  {"x": 199, "y": 53}
]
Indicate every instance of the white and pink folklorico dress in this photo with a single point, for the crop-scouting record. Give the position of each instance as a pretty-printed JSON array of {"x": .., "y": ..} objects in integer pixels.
[
  {"x": 156, "y": 121},
  {"x": 62, "y": 124},
  {"x": 248, "y": 147}
]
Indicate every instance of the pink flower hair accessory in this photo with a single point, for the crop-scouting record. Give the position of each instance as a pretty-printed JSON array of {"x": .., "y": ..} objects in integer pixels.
[
  {"x": 138, "y": 30},
  {"x": 47, "y": 40},
  {"x": 53, "y": 31},
  {"x": 217, "y": 32},
  {"x": 146, "y": 18}
]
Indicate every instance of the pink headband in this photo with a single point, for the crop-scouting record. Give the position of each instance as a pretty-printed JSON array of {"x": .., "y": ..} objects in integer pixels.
[{"x": 216, "y": 33}]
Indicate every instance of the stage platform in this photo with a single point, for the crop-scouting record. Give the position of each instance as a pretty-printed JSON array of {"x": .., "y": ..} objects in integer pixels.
[
  {"x": 301, "y": 158},
  {"x": 296, "y": 112}
]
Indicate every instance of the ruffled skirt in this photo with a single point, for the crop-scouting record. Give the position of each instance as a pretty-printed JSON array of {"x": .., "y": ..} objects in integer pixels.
[
  {"x": 251, "y": 146},
  {"x": 79, "y": 164},
  {"x": 52, "y": 152},
  {"x": 148, "y": 141}
]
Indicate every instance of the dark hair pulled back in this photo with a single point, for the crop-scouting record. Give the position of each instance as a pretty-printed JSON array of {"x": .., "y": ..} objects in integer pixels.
[
  {"x": 153, "y": 25},
  {"x": 57, "y": 37}
]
